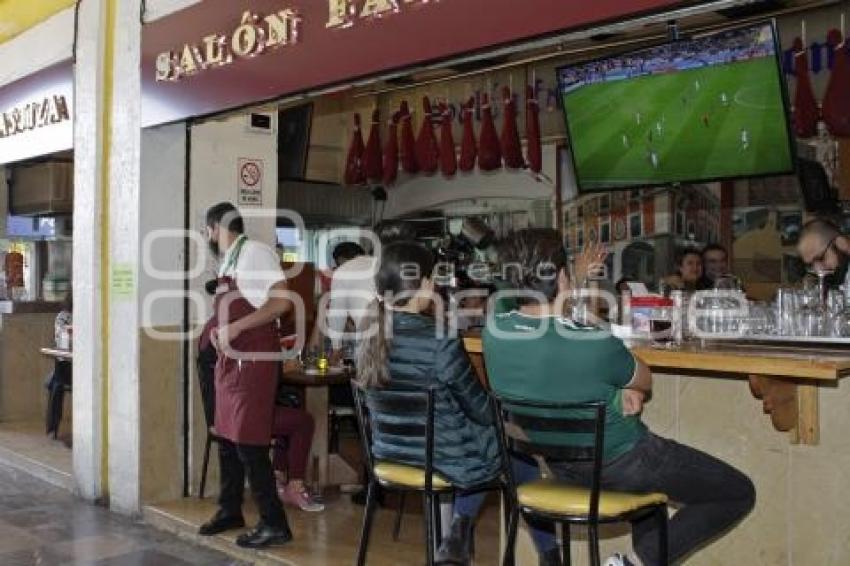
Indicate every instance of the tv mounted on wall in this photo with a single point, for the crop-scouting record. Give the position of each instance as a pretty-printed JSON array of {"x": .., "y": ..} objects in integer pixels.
[{"x": 705, "y": 108}]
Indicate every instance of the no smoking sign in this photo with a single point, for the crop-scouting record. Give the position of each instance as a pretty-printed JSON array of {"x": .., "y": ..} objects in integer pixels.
[{"x": 249, "y": 173}]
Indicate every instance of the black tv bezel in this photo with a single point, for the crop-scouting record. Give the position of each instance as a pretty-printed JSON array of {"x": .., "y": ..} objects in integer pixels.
[{"x": 785, "y": 101}]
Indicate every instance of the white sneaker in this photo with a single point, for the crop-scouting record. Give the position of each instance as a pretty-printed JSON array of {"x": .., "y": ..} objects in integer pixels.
[{"x": 618, "y": 560}]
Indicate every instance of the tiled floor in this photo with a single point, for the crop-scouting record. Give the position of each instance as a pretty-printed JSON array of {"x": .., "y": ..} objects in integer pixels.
[
  {"x": 41, "y": 525},
  {"x": 25, "y": 445}
]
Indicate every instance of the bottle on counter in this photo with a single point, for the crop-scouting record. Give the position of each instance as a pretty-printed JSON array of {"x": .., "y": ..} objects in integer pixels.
[
  {"x": 680, "y": 315},
  {"x": 626, "y": 308}
]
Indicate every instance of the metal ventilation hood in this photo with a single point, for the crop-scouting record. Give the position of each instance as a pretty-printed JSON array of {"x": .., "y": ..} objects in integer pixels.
[{"x": 322, "y": 204}]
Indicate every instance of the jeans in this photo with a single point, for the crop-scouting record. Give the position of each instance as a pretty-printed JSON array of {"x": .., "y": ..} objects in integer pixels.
[
  {"x": 542, "y": 532},
  {"x": 469, "y": 504},
  {"x": 237, "y": 460},
  {"x": 711, "y": 495}
]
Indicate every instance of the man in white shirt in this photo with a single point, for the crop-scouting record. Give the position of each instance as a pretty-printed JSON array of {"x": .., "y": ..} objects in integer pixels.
[
  {"x": 250, "y": 298},
  {"x": 352, "y": 290}
]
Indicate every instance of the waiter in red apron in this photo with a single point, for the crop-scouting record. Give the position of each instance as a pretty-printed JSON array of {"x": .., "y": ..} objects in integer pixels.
[{"x": 247, "y": 305}]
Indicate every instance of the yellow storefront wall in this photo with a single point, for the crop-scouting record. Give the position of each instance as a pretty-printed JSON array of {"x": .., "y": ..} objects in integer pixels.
[{"x": 17, "y": 16}]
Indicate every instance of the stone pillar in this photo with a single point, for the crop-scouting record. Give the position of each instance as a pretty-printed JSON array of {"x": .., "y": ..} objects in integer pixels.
[
  {"x": 106, "y": 253},
  {"x": 89, "y": 287},
  {"x": 124, "y": 231}
]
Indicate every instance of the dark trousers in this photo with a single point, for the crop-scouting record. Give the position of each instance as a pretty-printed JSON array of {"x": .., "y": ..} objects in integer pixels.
[
  {"x": 235, "y": 462},
  {"x": 57, "y": 385},
  {"x": 712, "y": 496}
]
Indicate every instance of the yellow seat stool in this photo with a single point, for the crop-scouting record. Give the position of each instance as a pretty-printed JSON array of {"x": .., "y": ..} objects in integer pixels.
[
  {"x": 558, "y": 497},
  {"x": 407, "y": 476}
]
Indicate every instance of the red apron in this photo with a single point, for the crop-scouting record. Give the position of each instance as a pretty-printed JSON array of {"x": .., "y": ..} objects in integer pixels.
[{"x": 245, "y": 389}]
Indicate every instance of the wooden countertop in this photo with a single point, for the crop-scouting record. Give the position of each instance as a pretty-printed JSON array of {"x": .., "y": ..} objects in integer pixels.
[
  {"x": 781, "y": 361},
  {"x": 29, "y": 307}
]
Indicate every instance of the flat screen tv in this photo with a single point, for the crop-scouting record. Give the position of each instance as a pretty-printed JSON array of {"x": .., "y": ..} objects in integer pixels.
[{"x": 705, "y": 108}]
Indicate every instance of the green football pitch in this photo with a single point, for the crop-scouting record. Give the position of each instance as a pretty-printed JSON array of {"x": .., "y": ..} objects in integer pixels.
[{"x": 721, "y": 121}]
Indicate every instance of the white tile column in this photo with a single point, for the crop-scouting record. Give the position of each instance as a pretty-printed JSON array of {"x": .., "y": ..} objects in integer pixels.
[
  {"x": 106, "y": 252},
  {"x": 89, "y": 383},
  {"x": 124, "y": 259}
]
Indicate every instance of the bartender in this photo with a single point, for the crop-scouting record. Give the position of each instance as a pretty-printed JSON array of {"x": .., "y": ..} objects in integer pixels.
[
  {"x": 248, "y": 303},
  {"x": 823, "y": 247}
]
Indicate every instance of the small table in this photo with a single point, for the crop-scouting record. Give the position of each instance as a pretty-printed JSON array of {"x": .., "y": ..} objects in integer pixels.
[
  {"x": 58, "y": 353},
  {"x": 333, "y": 469}
]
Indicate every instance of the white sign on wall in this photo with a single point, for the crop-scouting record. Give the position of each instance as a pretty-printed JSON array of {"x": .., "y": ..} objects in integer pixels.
[
  {"x": 249, "y": 173},
  {"x": 37, "y": 114}
]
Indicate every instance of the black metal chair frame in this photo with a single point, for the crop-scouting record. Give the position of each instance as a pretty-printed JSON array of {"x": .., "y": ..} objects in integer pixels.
[
  {"x": 527, "y": 421},
  {"x": 421, "y": 402}
]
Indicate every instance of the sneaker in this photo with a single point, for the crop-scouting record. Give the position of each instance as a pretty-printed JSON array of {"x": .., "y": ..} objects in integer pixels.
[
  {"x": 299, "y": 497},
  {"x": 618, "y": 560}
]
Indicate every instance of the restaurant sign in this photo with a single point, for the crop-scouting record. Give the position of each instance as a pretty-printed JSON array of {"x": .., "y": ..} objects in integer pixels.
[
  {"x": 252, "y": 37},
  {"x": 217, "y": 55},
  {"x": 37, "y": 114}
]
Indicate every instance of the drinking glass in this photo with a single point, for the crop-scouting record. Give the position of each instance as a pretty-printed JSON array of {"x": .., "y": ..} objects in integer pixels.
[
  {"x": 661, "y": 326},
  {"x": 785, "y": 308}
]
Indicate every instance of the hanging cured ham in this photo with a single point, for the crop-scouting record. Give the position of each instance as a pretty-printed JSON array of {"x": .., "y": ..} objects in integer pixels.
[
  {"x": 373, "y": 158},
  {"x": 489, "y": 152},
  {"x": 468, "y": 145},
  {"x": 408, "y": 143},
  {"x": 448, "y": 157},
  {"x": 805, "y": 107},
  {"x": 511, "y": 147},
  {"x": 391, "y": 151},
  {"x": 836, "y": 100},
  {"x": 532, "y": 131},
  {"x": 355, "y": 174},
  {"x": 427, "y": 152}
]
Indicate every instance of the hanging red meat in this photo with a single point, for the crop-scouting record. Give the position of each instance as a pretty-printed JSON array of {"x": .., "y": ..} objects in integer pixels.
[
  {"x": 836, "y": 100},
  {"x": 427, "y": 152},
  {"x": 489, "y": 152},
  {"x": 391, "y": 151},
  {"x": 511, "y": 147},
  {"x": 408, "y": 143},
  {"x": 532, "y": 131},
  {"x": 805, "y": 106},
  {"x": 448, "y": 157},
  {"x": 468, "y": 145},
  {"x": 355, "y": 174},
  {"x": 372, "y": 159}
]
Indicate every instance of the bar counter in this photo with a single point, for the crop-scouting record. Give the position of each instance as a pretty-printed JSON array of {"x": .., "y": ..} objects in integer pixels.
[
  {"x": 780, "y": 414},
  {"x": 780, "y": 361}
]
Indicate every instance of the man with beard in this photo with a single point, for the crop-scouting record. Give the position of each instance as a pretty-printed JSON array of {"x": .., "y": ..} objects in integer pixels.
[
  {"x": 249, "y": 300},
  {"x": 823, "y": 247}
]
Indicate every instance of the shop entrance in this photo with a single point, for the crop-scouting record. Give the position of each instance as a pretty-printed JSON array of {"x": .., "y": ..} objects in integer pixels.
[{"x": 36, "y": 320}]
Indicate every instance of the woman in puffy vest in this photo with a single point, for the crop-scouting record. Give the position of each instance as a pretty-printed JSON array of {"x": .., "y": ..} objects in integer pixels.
[{"x": 404, "y": 350}]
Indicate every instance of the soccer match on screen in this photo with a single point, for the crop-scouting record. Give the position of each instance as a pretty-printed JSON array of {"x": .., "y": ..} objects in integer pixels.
[{"x": 705, "y": 108}]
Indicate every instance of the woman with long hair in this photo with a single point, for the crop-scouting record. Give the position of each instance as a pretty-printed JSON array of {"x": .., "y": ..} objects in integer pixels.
[{"x": 405, "y": 349}]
